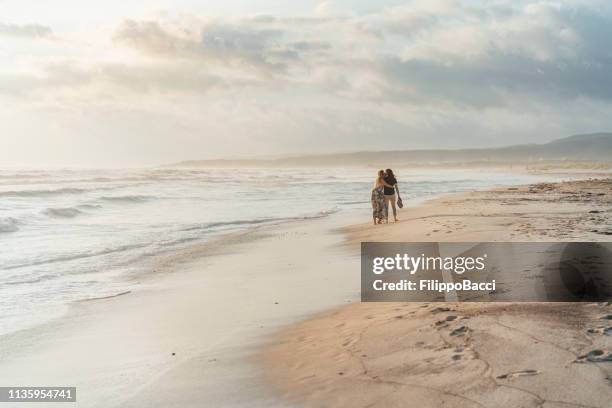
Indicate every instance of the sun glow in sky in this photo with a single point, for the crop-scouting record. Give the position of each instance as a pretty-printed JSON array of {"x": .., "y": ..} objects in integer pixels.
[{"x": 146, "y": 82}]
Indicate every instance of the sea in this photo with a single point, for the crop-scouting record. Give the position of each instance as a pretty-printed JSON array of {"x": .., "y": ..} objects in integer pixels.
[{"x": 71, "y": 234}]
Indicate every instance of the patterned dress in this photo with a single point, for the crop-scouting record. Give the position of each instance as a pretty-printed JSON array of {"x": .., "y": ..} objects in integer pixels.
[{"x": 378, "y": 203}]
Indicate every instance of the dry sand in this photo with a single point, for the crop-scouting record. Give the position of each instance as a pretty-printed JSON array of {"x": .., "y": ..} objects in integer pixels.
[
  {"x": 570, "y": 211},
  {"x": 461, "y": 355}
]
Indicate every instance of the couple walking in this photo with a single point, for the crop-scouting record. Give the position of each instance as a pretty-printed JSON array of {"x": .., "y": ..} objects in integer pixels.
[{"x": 383, "y": 193}]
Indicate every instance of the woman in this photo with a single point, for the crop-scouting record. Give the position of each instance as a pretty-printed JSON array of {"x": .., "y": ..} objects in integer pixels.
[
  {"x": 378, "y": 199},
  {"x": 389, "y": 191}
]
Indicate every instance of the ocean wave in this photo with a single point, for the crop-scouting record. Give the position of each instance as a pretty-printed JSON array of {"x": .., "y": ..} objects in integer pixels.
[
  {"x": 355, "y": 202},
  {"x": 323, "y": 213},
  {"x": 82, "y": 255},
  {"x": 68, "y": 212},
  {"x": 35, "y": 193},
  {"x": 217, "y": 227},
  {"x": 210, "y": 225},
  {"x": 430, "y": 182},
  {"x": 9, "y": 224},
  {"x": 36, "y": 279},
  {"x": 18, "y": 176},
  {"x": 270, "y": 220},
  {"x": 89, "y": 206},
  {"x": 128, "y": 198}
]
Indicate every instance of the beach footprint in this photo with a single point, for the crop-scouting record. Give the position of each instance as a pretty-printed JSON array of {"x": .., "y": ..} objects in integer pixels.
[
  {"x": 515, "y": 374},
  {"x": 595, "y": 356},
  {"x": 606, "y": 331},
  {"x": 439, "y": 309},
  {"x": 460, "y": 331}
]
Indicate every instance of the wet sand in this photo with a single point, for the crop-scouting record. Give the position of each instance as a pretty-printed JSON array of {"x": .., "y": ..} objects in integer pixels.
[
  {"x": 186, "y": 336},
  {"x": 461, "y": 355}
]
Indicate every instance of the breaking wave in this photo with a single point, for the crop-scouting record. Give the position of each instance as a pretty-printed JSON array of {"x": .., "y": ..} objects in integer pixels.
[
  {"x": 69, "y": 212},
  {"x": 35, "y": 193},
  {"x": 9, "y": 224},
  {"x": 127, "y": 198}
]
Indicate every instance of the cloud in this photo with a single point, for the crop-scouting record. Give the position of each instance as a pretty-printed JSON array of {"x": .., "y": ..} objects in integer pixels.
[
  {"x": 446, "y": 53},
  {"x": 25, "y": 30},
  {"x": 109, "y": 77},
  {"x": 247, "y": 44},
  {"x": 424, "y": 73},
  {"x": 438, "y": 51}
]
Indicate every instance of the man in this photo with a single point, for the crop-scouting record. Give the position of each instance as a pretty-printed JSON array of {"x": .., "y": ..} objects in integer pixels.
[{"x": 391, "y": 181}]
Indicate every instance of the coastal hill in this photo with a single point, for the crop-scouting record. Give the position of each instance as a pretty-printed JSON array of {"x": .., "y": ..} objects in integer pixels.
[{"x": 594, "y": 147}]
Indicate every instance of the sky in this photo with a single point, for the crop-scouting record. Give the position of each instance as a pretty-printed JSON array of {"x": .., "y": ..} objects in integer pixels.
[{"x": 138, "y": 83}]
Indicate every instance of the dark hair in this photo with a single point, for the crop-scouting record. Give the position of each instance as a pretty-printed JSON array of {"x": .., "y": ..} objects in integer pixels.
[{"x": 390, "y": 173}]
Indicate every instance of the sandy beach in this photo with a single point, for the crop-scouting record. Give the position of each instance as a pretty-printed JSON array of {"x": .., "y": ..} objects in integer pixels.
[
  {"x": 464, "y": 354},
  {"x": 178, "y": 325},
  {"x": 257, "y": 320},
  {"x": 193, "y": 204}
]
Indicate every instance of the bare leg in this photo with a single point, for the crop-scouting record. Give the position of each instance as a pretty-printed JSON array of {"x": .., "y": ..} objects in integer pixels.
[
  {"x": 394, "y": 210},
  {"x": 389, "y": 199},
  {"x": 386, "y": 210}
]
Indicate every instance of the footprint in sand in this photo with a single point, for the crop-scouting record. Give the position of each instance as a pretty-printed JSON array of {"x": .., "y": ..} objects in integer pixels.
[
  {"x": 515, "y": 374},
  {"x": 606, "y": 331},
  {"x": 458, "y": 350},
  {"x": 440, "y": 309},
  {"x": 595, "y": 356},
  {"x": 459, "y": 331},
  {"x": 444, "y": 323}
]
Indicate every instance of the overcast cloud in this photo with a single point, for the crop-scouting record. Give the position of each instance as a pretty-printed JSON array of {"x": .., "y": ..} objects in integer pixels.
[
  {"x": 25, "y": 30},
  {"x": 170, "y": 84}
]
